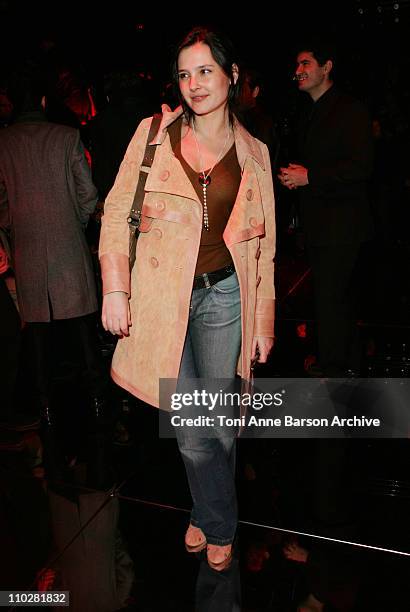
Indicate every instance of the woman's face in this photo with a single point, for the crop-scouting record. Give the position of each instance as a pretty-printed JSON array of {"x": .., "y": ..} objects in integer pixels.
[{"x": 202, "y": 82}]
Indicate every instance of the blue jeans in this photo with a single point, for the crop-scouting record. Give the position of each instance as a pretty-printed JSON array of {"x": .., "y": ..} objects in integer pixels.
[{"x": 211, "y": 350}]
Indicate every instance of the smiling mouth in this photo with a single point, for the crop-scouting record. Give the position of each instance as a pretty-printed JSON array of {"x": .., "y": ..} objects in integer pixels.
[
  {"x": 300, "y": 77},
  {"x": 198, "y": 98}
]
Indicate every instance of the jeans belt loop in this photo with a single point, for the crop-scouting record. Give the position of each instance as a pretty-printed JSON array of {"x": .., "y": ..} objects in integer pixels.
[{"x": 206, "y": 280}]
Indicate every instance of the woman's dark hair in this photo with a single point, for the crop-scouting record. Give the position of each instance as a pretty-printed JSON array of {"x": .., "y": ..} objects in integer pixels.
[{"x": 224, "y": 54}]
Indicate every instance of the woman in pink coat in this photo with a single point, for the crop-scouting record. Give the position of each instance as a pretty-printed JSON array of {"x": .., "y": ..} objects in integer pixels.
[{"x": 200, "y": 301}]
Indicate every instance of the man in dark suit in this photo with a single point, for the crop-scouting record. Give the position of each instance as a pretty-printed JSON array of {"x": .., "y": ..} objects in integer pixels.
[
  {"x": 46, "y": 198},
  {"x": 335, "y": 148},
  {"x": 335, "y": 162}
]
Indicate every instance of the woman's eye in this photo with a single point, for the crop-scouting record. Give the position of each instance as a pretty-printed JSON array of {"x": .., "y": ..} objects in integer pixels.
[
  {"x": 182, "y": 75},
  {"x": 205, "y": 71}
]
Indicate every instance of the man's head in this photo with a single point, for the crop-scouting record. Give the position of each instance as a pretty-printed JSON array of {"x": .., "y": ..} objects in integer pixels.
[
  {"x": 251, "y": 85},
  {"x": 314, "y": 64},
  {"x": 27, "y": 88},
  {"x": 123, "y": 84}
]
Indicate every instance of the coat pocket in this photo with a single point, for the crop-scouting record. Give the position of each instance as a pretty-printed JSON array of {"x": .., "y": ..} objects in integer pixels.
[{"x": 166, "y": 210}]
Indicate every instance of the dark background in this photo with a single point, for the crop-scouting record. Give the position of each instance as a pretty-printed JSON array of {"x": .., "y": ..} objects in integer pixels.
[{"x": 372, "y": 38}]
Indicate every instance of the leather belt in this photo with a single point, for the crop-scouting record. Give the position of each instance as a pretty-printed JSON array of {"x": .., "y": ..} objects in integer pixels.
[{"x": 211, "y": 278}]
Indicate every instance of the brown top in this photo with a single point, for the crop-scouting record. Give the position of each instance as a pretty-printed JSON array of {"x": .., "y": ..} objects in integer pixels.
[{"x": 221, "y": 195}]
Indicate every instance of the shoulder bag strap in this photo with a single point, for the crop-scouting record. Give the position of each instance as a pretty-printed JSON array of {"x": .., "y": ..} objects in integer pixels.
[{"x": 134, "y": 218}]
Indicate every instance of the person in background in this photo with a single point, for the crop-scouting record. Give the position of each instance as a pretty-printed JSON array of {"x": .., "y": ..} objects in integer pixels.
[
  {"x": 108, "y": 134},
  {"x": 331, "y": 176},
  {"x": 254, "y": 117},
  {"x": 10, "y": 335},
  {"x": 112, "y": 128},
  {"x": 6, "y": 109},
  {"x": 335, "y": 164},
  {"x": 46, "y": 198}
]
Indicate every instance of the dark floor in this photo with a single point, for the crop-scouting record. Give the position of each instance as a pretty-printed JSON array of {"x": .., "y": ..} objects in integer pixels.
[
  {"x": 121, "y": 543},
  {"x": 150, "y": 511}
]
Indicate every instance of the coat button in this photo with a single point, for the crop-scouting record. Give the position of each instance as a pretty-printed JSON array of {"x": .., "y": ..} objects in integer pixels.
[
  {"x": 249, "y": 195},
  {"x": 160, "y": 205},
  {"x": 253, "y": 222},
  {"x": 258, "y": 253},
  {"x": 258, "y": 280},
  {"x": 165, "y": 175},
  {"x": 157, "y": 233},
  {"x": 154, "y": 262}
]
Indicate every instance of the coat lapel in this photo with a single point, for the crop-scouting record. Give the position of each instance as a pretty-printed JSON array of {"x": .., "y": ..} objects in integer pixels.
[
  {"x": 246, "y": 146},
  {"x": 246, "y": 220},
  {"x": 168, "y": 176}
]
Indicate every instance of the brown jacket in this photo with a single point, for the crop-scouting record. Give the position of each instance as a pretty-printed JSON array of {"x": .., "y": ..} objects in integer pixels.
[{"x": 167, "y": 250}]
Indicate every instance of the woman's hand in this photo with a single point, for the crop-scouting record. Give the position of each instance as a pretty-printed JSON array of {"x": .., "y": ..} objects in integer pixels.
[
  {"x": 116, "y": 316},
  {"x": 261, "y": 347}
]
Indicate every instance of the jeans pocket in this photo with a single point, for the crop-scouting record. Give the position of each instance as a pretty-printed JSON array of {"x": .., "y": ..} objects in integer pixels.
[{"x": 226, "y": 285}]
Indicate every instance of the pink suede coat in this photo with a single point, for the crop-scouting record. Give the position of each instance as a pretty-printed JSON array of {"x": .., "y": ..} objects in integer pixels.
[{"x": 161, "y": 280}]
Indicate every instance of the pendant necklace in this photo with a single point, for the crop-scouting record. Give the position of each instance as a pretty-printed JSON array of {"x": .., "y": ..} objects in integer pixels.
[{"x": 204, "y": 177}]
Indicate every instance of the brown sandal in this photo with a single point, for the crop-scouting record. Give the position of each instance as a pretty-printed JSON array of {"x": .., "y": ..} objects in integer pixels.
[{"x": 195, "y": 539}]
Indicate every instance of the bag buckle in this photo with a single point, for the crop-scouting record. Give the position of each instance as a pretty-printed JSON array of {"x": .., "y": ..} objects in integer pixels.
[{"x": 134, "y": 219}]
